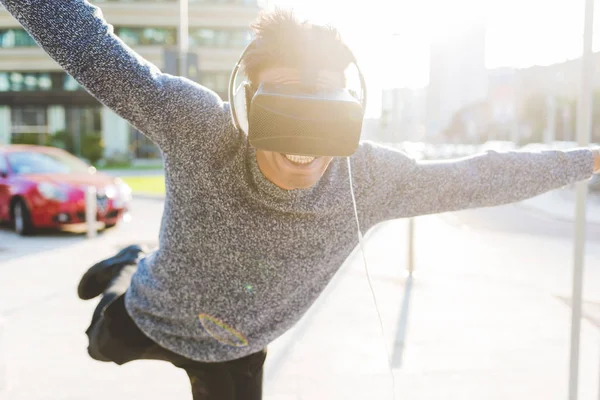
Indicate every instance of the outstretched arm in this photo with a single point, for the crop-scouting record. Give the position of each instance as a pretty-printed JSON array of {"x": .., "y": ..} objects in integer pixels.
[
  {"x": 75, "y": 34},
  {"x": 403, "y": 187}
]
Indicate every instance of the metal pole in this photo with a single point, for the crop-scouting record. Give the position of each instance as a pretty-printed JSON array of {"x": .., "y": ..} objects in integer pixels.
[
  {"x": 3, "y": 368},
  {"x": 550, "y": 119},
  {"x": 411, "y": 246},
  {"x": 584, "y": 114},
  {"x": 90, "y": 211},
  {"x": 183, "y": 36}
]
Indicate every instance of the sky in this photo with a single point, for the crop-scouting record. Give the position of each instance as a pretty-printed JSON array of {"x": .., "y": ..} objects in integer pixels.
[{"x": 391, "y": 38}]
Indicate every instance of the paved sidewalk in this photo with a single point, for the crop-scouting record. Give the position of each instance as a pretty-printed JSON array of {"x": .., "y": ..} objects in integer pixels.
[
  {"x": 468, "y": 327},
  {"x": 560, "y": 204}
]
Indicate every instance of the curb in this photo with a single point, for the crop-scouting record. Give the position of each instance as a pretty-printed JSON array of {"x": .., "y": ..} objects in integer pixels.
[
  {"x": 149, "y": 196},
  {"x": 539, "y": 211},
  {"x": 522, "y": 205},
  {"x": 132, "y": 173},
  {"x": 3, "y": 365},
  {"x": 555, "y": 216}
]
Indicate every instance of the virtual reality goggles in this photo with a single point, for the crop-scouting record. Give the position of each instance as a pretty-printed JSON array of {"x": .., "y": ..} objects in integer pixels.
[{"x": 298, "y": 118}]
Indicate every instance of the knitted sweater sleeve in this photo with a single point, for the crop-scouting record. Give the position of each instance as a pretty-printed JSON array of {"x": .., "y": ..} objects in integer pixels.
[{"x": 398, "y": 186}]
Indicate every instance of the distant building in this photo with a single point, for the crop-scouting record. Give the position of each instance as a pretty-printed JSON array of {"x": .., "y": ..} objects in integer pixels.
[
  {"x": 37, "y": 97},
  {"x": 556, "y": 86},
  {"x": 371, "y": 129},
  {"x": 457, "y": 78},
  {"x": 403, "y": 115},
  {"x": 560, "y": 79}
]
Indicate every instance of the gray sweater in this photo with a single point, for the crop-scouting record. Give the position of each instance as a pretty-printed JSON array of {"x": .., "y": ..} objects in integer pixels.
[{"x": 241, "y": 260}]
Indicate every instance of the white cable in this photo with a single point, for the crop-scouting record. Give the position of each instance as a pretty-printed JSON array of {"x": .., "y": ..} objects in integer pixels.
[{"x": 364, "y": 254}]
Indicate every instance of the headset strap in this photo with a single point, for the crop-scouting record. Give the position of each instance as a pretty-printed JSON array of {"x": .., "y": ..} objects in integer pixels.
[{"x": 309, "y": 77}]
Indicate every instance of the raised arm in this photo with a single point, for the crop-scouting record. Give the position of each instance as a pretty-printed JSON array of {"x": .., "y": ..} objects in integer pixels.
[
  {"x": 74, "y": 33},
  {"x": 403, "y": 187}
]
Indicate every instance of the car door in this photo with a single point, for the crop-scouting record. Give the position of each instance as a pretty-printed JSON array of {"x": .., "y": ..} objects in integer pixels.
[{"x": 4, "y": 188}]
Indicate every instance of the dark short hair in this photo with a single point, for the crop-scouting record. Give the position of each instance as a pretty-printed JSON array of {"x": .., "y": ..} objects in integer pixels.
[{"x": 281, "y": 40}]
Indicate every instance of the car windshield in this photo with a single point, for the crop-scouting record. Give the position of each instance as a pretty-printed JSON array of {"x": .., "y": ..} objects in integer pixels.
[{"x": 45, "y": 163}]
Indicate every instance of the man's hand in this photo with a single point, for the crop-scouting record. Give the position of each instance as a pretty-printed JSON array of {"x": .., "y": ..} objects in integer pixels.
[{"x": 596, "y": 153}]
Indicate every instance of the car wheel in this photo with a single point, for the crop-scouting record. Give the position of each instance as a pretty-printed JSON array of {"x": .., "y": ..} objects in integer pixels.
[{"x": 21, "y": 218}]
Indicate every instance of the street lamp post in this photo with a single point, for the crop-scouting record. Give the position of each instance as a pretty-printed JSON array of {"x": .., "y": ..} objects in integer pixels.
[
  {"x": 183, "y": 37},
  {"x": 584, "y": 116}
]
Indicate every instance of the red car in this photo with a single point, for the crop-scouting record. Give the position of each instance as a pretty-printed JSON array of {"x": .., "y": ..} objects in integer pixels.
[{"x": 44, "y": 187}]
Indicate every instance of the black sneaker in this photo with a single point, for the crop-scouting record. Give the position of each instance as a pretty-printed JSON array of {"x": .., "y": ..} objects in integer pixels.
[{"x": 97, "y": 278}]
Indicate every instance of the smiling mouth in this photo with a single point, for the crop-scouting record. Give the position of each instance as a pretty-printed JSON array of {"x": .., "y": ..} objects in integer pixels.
[{"x": 301, "y": 160}]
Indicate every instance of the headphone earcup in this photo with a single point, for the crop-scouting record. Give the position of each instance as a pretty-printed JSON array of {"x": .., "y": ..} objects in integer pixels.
[
  {"x": 241, "y": 107},
  {"x": 249, "y": 93}
]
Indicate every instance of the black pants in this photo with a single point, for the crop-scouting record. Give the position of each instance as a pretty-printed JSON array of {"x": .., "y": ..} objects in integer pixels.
[{"x": 115, "y": 337}]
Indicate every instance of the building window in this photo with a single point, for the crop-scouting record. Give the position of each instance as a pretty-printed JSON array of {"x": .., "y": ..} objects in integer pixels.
[
  {"x": 201, "y": 37},
  {"x": 25, "y": 82},
  {"x": 217, "y": 81},
  {"x": 142, "y": 147},
  {"x": 147, "y": 36},
  {"x": 239, "y": 2},
  {"x": 82, "y": 121},
  {"x": 29, "y": 125},
  {"x": 17, "y": 81},
  {"x": 224, "y": 38},
  {"x": 134, "y": 36},
  {"x": 70, "y": 84},
  {"x": 28, "y": 116},
  {"x": 17, "y": 37},
  {"x": 240, "y": 38}
]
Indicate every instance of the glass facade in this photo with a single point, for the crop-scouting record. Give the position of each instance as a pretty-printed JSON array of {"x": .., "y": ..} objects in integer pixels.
[
  {"x": 81, "y": 121},
  {"x": 38, "y": 100},
  {"x": 37, "y": 82},
  {"x": 25, "y": 81},
  {"x": 155, "y": 36},
  {"x": 222, "y": 38},
  {"x": 217, "y": 81},
  {"x": 29, "y": 116},
  {"x": 142, "y": 147},
  {"x": 236, "y": 2},
  {"x": 29, "y": 124},
  {"x": 147, "y": 36},
  {"x": 69, "y": 84},
  {"x": 15, "y": 37}
]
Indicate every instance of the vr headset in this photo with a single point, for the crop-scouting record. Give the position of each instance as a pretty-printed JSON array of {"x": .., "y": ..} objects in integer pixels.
[{"x": 299, "y": 118}]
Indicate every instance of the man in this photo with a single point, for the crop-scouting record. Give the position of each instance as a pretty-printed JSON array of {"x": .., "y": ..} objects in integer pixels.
[{"x": 249, "y": 238}]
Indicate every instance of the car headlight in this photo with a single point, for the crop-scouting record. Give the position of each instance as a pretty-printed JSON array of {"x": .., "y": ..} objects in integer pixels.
[
  {"x": 52, "y": 192},
  {"x": 111, "y": 191},
  {"x": 122, "y": 193},
  {"x": 125, "y": 191}
]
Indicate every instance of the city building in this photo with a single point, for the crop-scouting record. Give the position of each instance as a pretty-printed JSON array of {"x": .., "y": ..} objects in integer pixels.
[
  {"x": 551, "y": 89},
  {"x": 38, "y": 99},
  {"x": 403, "y": 112},
  {"x": 560, "y": 79},
  {"x": 457, "y": 76}
]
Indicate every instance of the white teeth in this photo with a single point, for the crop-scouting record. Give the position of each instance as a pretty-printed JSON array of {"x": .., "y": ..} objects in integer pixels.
[{"x": 300, "y": 159}]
